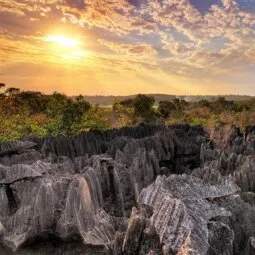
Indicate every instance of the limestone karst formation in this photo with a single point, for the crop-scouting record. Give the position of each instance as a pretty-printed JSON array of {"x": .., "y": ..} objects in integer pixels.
[{"x": 146, "y": 190}]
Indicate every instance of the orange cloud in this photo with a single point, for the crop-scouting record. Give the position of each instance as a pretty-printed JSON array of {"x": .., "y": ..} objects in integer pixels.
[{"x": 167, "y": 45}]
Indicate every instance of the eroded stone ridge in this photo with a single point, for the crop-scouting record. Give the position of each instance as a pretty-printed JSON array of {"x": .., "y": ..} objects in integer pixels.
[{"x": 141, "y": 190}]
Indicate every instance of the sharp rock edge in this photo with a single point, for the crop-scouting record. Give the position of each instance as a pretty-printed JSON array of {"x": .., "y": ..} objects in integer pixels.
[{"x": 150, "y": 189}]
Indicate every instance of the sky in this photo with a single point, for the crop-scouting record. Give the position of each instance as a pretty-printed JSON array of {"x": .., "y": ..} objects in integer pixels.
[{"x": 121, "y": 47}]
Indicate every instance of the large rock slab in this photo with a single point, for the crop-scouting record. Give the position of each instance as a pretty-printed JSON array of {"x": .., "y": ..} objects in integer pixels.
[
  {"x": 140, "y": 190},
  {"x": 181, "y": 211}
]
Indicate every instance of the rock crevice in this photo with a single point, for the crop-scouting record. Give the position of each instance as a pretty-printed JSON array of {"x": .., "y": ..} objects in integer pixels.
[{"x": 141, "y": 190}]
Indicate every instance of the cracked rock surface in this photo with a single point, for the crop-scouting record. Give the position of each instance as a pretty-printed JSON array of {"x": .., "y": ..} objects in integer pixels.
[{"x": 146, "y": 190}]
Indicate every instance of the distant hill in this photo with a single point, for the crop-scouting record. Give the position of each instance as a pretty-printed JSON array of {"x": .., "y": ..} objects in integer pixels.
[{"x": 107, "y": 100}]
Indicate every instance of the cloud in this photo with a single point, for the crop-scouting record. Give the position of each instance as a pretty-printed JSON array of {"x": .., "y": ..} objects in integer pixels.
[
  {"x": 138, "y": 49},
  {"x": 170, "y": 37},
  {"x": 79, "y": 4}
]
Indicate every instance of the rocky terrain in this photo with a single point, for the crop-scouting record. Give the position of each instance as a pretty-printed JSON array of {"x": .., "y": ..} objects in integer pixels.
[{"x": 147, "y": 190}]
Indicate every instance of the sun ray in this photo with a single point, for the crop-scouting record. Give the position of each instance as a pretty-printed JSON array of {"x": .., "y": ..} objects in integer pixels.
[
  {"x": 62, "y": 40},
  {"x": 65, "y": 48}
]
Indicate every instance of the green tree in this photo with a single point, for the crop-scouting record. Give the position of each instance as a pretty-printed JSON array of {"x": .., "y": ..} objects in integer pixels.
[
  {"x": 129, "y": 102},
  {"x": 123, "y": 113},
  {"x": 143, "y": 107},
  {"x": 11, "y": 92},
  {"x": 221, "y": 104},
  {"x": 204, "y": 103},
  {"x": 18, "y": 125},
  {"x": 165, "y": 109},
  {"x": 73, "y": 114},
  {"x": 180, "y": 104},
  {"x": 94, "y": 119},
  {"x": 35, "y": 102},
  {"x": 56, "y": 105}
]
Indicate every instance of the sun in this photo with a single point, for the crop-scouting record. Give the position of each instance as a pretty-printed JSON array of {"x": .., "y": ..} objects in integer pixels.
[
  {"x": 65, "y": 48},
  {"x": 62, "y": 40}
]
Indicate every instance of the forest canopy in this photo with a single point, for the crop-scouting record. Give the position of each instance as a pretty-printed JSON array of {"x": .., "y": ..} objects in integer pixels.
[{"x": 29, "y": 113}]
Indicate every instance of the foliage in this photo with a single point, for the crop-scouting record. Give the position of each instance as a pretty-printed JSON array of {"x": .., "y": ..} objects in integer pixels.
[
  {"x": 143, "y": 107},
  {"x": 221, "y": 104},
  {"x": 53, "y": 126},
  {"x": 17, "y": 126},
  {"x": 73, "y": 115},
  {"x": 26, "y": 113},
  {"x": 166, "y": 108},
  {"x": 179, "y": 104},
  {"x": 23, "y": 113},
  {"x": 124, "y": 113},
  {"x": 127, "y": 102},
  {"x": 56, "y": 105},
  {"x": 203, "y": 103},
  {"x": 94, "y": 120}
]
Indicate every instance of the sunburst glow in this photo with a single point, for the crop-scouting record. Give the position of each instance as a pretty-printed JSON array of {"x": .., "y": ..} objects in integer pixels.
[
  {"x": 62, "y": 40},
  {"x": 65, "y": 48},
  {"x": 137, "y": 46}
]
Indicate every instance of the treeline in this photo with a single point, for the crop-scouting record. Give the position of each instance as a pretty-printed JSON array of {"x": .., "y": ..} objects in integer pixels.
[
  {"x": 176, "y": 111},
  {"x": 28, "y": 113}
]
